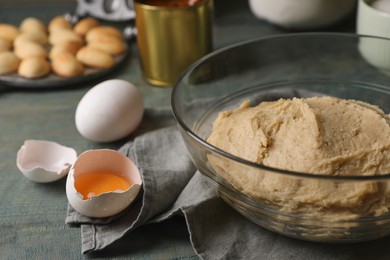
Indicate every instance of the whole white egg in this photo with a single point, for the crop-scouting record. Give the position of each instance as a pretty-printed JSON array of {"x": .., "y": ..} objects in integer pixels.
[{"x": 109, "y": 111}]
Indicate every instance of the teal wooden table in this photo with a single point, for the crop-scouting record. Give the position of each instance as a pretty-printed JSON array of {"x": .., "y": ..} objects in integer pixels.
[{"x": 32, "y": 215}]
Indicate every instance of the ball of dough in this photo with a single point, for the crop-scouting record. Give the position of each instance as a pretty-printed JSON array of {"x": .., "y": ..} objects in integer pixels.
[
  {"x": 109, "y": 44},
  {"x": 30, "y": 49},
  {"x": 64, "y": 35},
  {"x": 84, "y": 25},
  {"x": 38, "y": 37},
  {"x": 8, "y": 32},
  {"x": 31, "y": 25},
  {"x": 59, "y": 23},
  {"x": 4, "y": 45},
  {"x": 69, "y": 46},
  {"x": 103, "y": 31},
  {"x": 34, "y": 67},
  {"x": 95, "y": 58},
  {"x": 66, "y": 65},
  {"x": 8, "y": 62}
]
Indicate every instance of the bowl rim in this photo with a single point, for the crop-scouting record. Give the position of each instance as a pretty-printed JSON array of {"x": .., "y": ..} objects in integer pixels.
[{"x": 237, "y": 159}]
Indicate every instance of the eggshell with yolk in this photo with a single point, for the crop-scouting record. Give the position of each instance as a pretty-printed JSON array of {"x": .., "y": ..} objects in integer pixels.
[{"x": 111, "y": 202}]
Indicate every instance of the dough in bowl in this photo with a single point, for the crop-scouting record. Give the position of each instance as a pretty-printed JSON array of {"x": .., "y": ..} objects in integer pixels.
[{"x": 318, "y": 135}]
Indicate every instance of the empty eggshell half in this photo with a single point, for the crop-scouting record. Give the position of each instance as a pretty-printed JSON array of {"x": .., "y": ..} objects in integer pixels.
[
  {"x": 44, "y": 161},
  {"x": 112, "y": 201}
]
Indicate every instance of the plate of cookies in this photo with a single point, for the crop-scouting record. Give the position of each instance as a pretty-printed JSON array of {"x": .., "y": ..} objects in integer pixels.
[{"x": 36, "y": 55}]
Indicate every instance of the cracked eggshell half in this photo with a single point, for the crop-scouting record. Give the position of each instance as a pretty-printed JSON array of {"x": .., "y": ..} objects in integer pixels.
[
  {"x": 94, "y": 185},
  {"x": 44, "y": 161}
]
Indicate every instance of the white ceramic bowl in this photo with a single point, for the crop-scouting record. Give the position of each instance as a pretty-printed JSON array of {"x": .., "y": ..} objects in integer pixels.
[
  {"x": 302, "y": 14},
  {"x": 371, "y": 21}
]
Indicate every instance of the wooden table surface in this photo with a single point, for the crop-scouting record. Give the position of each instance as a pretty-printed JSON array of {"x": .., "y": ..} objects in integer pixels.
[{"x": 32, "y": 215}]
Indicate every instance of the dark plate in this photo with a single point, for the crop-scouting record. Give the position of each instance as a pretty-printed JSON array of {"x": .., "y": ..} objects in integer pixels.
[{"x": 54, "y": 81}]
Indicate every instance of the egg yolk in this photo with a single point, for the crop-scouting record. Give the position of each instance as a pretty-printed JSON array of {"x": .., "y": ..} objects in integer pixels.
[{"x": 96, "y": 183}]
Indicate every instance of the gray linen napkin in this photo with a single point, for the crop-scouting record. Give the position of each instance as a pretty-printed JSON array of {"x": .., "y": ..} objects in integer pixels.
[{"x": 216, "y": 230}]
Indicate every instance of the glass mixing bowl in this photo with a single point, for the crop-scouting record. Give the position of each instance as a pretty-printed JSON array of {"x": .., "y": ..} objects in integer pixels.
[{"x": 292, "y": 65}]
